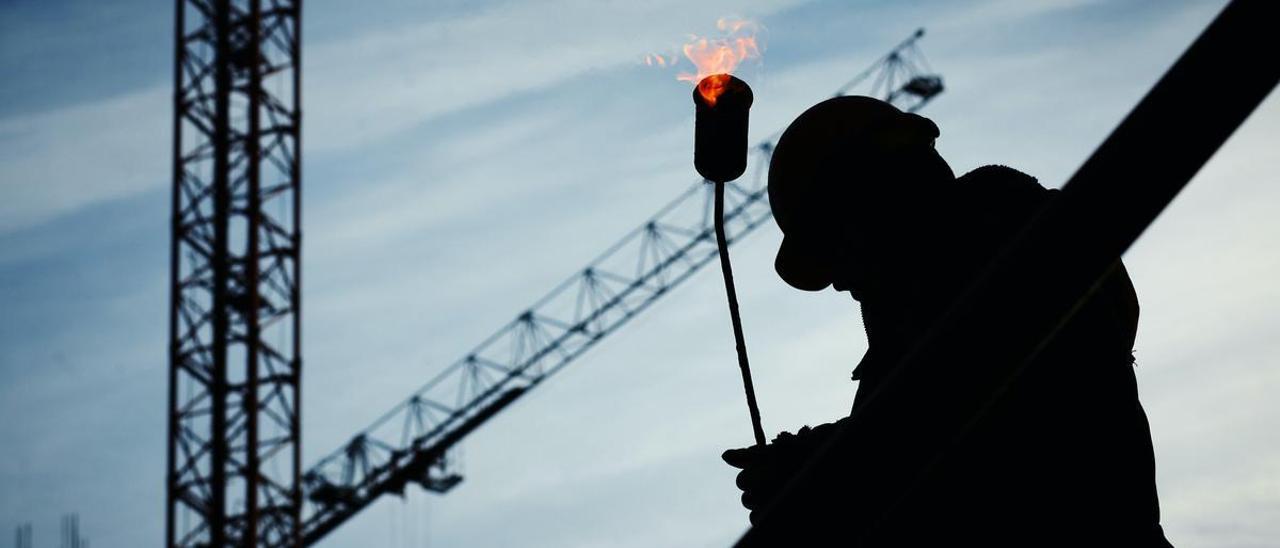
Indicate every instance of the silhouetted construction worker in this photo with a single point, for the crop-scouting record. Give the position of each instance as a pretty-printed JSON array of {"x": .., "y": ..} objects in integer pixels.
[{"x": 1064, "y": 456}]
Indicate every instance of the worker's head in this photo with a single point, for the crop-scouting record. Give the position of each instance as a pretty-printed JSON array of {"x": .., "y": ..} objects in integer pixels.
[{"x": 848, "y": 177}]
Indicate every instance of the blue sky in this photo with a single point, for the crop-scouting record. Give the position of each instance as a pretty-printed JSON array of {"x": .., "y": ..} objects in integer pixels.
[{"x": 462, "y": 158}]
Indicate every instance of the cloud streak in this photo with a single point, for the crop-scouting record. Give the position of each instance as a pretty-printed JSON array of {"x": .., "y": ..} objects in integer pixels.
[
  {"x": 58, "y": 162},
  {"x": 359, "y": 91}
]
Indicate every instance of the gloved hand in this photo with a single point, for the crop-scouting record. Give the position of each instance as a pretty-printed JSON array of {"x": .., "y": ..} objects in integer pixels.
[{"x": 767, "y": 469}]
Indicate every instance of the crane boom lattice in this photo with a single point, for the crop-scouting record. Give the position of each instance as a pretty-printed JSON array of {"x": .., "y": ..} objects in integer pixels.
[{"x": 411, "y": 442}]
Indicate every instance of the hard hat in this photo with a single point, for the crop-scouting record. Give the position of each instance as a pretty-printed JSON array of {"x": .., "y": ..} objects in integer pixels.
[{"x": 828, "y": 135}]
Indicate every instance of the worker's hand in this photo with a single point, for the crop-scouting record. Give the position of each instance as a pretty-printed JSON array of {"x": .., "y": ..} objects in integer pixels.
[
  {"x": 761, "y": 477},
  {"x": 766, "y": 470}
]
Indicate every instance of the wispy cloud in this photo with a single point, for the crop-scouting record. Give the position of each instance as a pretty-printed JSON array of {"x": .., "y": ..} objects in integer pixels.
[
  {"x": 391, "y": 79},
  {"x": 57, "y": 162},
  {"x": 1001, "y": 12},
  {"x": 359, "y": 90}
]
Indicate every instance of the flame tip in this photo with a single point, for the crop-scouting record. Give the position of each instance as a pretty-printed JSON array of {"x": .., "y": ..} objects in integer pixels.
[{"x": 715, "y": 56}]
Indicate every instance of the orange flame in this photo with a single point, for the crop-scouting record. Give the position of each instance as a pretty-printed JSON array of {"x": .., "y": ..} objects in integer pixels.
[
  {"x": 715, "y": 56},
  {"x": 720, "y": 56}
]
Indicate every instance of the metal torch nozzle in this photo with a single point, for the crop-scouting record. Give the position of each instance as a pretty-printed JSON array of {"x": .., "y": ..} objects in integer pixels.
[{"x": 720, "y": 127}]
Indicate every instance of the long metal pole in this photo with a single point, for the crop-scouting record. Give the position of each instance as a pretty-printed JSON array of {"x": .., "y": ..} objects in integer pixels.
[
  {"x": 175, "y": 292},
  {"x": 295, "y": 295},
  {"x": 251, "y": 528},
  {"x": 216, "y": 514},
  {"x": 739, "y": 341}
]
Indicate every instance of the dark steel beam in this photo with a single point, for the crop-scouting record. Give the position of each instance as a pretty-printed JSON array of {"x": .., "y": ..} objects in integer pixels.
[
  {"x": 252, "y": 264},
  {"x": 172, "y": 490},
  {"x": 216, "y": 513}
]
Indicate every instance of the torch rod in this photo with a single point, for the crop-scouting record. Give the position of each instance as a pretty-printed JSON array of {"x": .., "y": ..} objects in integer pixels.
[{"x": 727, "y": 269}]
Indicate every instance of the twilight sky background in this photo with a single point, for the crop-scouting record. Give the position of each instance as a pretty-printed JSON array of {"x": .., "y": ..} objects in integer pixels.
[{"x": 463, "y": 157}]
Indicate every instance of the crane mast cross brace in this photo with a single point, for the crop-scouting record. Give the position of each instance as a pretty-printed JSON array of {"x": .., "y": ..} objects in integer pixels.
[
  {"x": 234, "y": 472},
  {"x": 411, "y": 442}
]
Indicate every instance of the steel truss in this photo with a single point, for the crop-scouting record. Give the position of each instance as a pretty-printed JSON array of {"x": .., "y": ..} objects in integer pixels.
[
  {"x": 233, "y": 456},
  {"x": 411, "y": 442}
]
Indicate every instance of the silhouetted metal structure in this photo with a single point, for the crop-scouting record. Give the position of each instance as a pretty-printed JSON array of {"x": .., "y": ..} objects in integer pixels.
[
  {"x": 233, "y": 455},
  {"x": 70, "y": 533},
  {"x": 22, "y": 536},
  {"x": 411, "y": 442},
  {"x": 902, "y": 77}
]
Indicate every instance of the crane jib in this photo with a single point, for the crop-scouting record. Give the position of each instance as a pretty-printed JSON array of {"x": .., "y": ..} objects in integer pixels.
[{"x": 621, "y": 283}]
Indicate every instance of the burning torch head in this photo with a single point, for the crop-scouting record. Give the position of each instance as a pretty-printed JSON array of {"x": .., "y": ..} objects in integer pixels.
[{"x": 722, "y": 103}]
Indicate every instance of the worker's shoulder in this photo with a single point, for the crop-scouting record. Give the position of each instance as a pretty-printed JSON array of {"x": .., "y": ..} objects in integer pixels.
[{"x": 997, "y": 184}]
